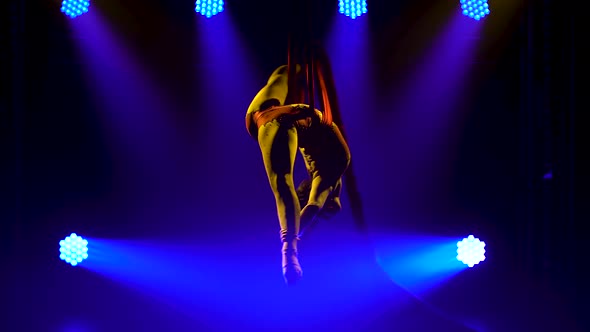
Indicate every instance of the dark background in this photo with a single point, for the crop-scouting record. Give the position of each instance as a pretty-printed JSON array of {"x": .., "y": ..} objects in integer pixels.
[{"x": 526, "y": 123}]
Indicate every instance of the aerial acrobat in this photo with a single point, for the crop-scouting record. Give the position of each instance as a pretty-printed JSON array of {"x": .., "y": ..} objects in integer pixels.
[{"x": 282, "y": 120}]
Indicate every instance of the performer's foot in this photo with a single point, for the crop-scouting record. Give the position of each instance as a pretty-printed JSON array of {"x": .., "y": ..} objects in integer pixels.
[
  {"x": 331, "y": 208},
  {"x": 291, "y": 268}
]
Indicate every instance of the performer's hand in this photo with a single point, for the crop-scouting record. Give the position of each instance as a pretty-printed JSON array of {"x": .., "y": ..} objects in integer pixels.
[
  {"x": 305, "y": 111},
  {"x": 303, "y": 108}
]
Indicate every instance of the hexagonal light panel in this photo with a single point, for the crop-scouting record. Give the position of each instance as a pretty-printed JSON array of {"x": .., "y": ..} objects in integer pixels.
[
  {"x": 73, "y": 249},
  {"x": 475, "y": 9},
  {"x": 74, "y": 8},
  {"x": 209, "y": 8},
  {"x": 471, "y": 251},
  {"x": 352, "y": 8}
]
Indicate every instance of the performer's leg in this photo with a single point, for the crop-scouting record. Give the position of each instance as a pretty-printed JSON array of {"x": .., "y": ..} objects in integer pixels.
[
  {"x": 303, "y": 191},
  {"x": 332, "y": 205},
  {"x": 278, "y": 144},
  {"x": 329, "y": 166},
  {"x": 321, "y": 188}
]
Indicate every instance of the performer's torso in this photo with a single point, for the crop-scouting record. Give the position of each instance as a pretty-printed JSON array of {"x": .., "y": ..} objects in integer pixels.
[{"x": 297, "y": 114}]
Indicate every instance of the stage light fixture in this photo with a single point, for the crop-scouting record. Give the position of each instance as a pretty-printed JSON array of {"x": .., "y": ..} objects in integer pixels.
[
  {"x": 475, "y": 9},
  {"x": 74, "y": 8},
  {"x": 471, "y": 251},
  {"x": 73, "y": 249},
  {"x": 352, "y": 8},
  {"x": 209, "y": 8}
]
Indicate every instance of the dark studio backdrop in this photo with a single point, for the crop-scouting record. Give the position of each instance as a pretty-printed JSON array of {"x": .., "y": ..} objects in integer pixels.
[{"x": 518, "y": 176}]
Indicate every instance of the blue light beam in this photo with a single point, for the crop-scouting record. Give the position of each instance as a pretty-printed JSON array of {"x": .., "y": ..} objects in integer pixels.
[
  {"x": 418, "y": 263},
  {"x": 213, "y": 278}
]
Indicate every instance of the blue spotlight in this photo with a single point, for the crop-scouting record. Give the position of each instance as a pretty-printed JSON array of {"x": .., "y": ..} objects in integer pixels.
[
  {"x": 352, "y": 8},
  {"x": 74, "y": 8},
  {"x": 476, "y": 9},
  {"x": 471, "y": 251},
  {"x": 73, "y": 249},
  {"x": 209, "y": 8}
]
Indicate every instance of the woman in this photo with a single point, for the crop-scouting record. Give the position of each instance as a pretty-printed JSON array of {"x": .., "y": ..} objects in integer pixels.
[{"x": 281, "y": 122}]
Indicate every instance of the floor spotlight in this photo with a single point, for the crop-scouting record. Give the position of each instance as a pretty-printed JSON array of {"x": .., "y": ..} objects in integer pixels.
[
  {"x": 471, "y": 251},
  {"x": 73, "y": 249}
]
